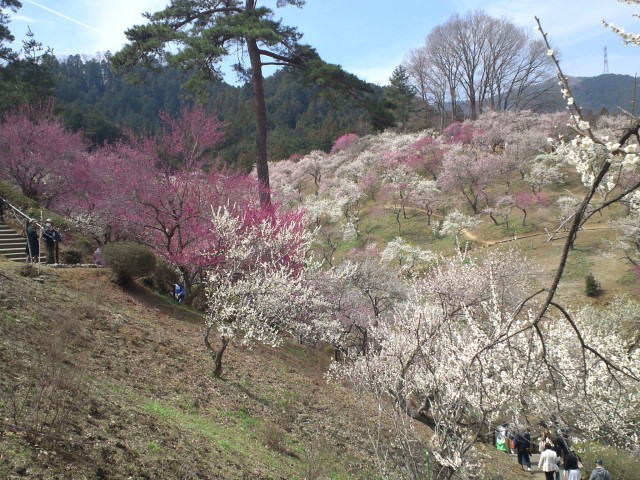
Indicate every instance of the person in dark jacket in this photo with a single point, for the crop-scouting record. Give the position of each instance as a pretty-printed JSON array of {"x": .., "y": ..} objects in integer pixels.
[
  {"x": 571, "y": 468},
  {"x": 560, "y": 448},
  {"x": 49, "y": 240},
  {"x": 33, "y": 244},
  {"x": 57, "y": 238},
  {"x": 522, "y": 444}
]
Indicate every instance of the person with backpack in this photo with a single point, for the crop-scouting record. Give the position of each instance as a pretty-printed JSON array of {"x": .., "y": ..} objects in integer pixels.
[
  {"x": 599, "y": 473},
  {"x": 522, "y": 444}
]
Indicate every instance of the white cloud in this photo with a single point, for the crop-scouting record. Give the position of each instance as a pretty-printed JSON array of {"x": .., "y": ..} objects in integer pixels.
[{"x": 115, "y": 17}]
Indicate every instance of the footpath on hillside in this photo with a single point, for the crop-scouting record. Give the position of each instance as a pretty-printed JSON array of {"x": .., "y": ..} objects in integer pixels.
[
  {"x": 471, "y": 236},
  {"x": 536, "y": 473}
]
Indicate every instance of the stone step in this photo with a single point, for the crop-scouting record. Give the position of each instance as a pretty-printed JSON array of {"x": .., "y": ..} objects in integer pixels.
[
  {"x": 12, "y": 245},
  {"x": 12, "y": 241}
]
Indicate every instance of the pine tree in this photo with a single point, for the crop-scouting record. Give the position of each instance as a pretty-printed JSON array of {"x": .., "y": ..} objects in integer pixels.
[{"x": 401, "y": 93}]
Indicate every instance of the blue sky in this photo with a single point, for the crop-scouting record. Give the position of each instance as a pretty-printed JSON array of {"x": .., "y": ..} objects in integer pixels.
[{"x": 367, "y": 37}]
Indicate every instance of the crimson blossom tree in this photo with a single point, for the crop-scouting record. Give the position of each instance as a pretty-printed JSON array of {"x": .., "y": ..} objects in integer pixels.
[
  {"x": 37, "y": 152},
  {"x": 160, "y": 191},
  {"x": 170, "y": 187}
]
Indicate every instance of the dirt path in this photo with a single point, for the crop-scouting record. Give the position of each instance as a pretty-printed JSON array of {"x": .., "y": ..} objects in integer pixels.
[
  {"x": 536, "y": 473},
  {"x": 470, "y": 236}
]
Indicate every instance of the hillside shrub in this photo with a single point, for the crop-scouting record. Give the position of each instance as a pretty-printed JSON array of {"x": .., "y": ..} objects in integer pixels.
[
  {"x": 16, "y": 198},
  {"x": 83, "y": 245},
  {"x": 592, "y": 286},
  {"x": 622, "y": 465},
  {"x": 128, "y": 260},
  {"x": 72, "y": 257},
  {"x": 162, "y": 278}
]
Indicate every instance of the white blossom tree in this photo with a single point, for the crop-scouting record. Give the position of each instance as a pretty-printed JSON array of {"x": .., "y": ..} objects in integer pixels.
[{"x": 257, "y": 289}]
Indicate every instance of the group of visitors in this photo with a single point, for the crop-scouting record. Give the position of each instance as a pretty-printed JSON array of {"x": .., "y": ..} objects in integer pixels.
[
  {"x": 51, "y": 237},
  {"x": 555, "y": 455}
]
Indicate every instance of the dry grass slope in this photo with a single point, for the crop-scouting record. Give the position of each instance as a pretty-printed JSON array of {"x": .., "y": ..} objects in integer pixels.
[{"x": 100, "y": 383}]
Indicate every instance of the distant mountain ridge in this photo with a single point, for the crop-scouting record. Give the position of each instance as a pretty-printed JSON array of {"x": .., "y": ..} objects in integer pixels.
[{"x": 609, "y": 92}]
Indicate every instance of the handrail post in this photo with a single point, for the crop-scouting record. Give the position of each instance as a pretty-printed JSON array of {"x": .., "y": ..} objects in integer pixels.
[{"x": 3, "y": 202}]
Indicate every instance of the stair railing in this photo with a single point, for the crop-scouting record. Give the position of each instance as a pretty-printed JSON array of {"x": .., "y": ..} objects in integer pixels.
[{"x": 20, "y": 216}]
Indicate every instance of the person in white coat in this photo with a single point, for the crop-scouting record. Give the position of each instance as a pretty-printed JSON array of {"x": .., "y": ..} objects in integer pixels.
[{"x": 548, "y": 462}]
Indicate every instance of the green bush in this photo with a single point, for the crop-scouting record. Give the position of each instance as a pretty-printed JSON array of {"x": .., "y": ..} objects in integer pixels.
[
  {"x": 622, "y": 465},
  {"x": 128, "y": 260},
  {"x": 72, "y": 257},
  {"x": 592, "y": 286},
  {"x": 16, "y": 198},
  {"x": 163, "y": 277},
  {"x": 84, "y": 245}
]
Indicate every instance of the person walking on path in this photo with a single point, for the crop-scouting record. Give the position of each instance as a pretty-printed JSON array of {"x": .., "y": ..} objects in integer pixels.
[
  {"x": 522, "y": 444},
  {"x": 33, "y": 244},
  {"x": 544, "y": 440},
  {"x": 571, "y": 468},
  {"x": 561, "y": 450},
  {"x": 599, "y": 473},
  {"x": 548, "y": 462},
  {"x": 501, "y": 438}
]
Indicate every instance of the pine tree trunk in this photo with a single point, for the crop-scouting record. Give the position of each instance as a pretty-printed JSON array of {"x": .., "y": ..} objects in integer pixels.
[{"x": 262, "y": 168}]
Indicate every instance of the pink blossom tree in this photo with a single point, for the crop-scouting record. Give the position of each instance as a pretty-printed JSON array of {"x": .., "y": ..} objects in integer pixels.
[
  {"x": 345, "y": 142},
  {"x": 524, "y": 201},
  {"x": 160, "y": 191},
  {"x": 458, "y": 132},
  {"x": 171, "y": 186},
  {"x": 469, "y": 173},
  {"x": 429, "y": 152},
  {"x": 37, "y": 152}
]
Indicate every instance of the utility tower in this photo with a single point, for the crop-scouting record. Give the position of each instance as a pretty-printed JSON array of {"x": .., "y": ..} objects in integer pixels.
[{"x": 606, "y": 62}]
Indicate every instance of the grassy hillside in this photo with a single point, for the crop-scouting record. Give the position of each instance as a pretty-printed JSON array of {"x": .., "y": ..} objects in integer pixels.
[{"x": 101, "y": 383}]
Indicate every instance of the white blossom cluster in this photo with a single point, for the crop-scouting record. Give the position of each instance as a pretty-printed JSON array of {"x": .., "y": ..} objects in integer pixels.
[
  {"x": 456, "y": 221},
  {"x": 461, "y": 353},
  {"x": 628, "y": 37},
  {"x": 258, "y": 291},
  {"x": 599, "y": 399},
  {"x": 408, "y": 257},
  {"x": 441, "y": 354}
]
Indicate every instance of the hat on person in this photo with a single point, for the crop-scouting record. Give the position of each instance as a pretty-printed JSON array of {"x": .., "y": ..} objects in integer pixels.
[
  {"x": 598, "y": 462},
  {"x": 49, "y": 220}
]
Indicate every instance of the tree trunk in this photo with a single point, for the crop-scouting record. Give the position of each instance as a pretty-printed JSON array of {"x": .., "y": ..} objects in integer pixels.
[
  {"x": 262, "y": 168},
  {"x": 216, "y": 355},
  {"x": 217, "y": 358}
]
